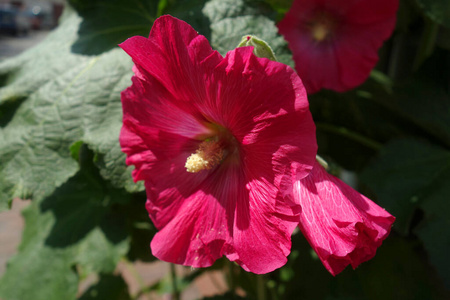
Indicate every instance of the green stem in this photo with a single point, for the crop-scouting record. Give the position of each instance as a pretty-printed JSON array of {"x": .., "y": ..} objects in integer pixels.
[
  {"x": 230, "y": 277},
  {"x": 261, "y": 287},
  {"x": 427, "y": 42},
  {"x": 369, "y": 143},
  {"x": 175, "y": 291}
]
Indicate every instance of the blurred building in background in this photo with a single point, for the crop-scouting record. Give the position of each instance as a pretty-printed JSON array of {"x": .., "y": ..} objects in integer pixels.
[{"x": 20, "y": 16}]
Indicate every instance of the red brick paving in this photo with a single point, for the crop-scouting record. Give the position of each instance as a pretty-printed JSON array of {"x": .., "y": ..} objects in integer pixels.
[{"x": 138, "y": 275}]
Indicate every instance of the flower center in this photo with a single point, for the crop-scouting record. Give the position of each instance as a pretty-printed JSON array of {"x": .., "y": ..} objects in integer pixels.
[
  {"x": 320, "y": 32},
  {"x": 208, "y": 155},
  {"x": 322, "y": 27}
]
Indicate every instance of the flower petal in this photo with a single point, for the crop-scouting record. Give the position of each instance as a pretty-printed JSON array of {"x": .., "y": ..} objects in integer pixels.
[
  {"x": 171, "y": 55},
  {"x": 182, "y": 93},
  {"x": 345, "y": 58},
  {"x": 264, "y": 105},
  {"x": 341, "y": 225},
  {"x": 225, "y": 217}
]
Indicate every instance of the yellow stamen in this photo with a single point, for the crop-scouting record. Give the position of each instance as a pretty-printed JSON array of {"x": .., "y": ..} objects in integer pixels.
[
  {"x": 208, "y": 155},
  {"x": 322, "y": 26},
  {"x": 320, "y": 32}
]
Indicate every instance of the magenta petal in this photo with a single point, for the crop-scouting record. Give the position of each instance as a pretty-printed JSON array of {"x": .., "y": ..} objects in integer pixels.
[
  {"x": 343, "y": 58},
  {"x": 269, "y": 115},
  {"x": 341, "y": 225},
  {"x": 171, "y": 55},
  {"x": 225, "y": 217}
]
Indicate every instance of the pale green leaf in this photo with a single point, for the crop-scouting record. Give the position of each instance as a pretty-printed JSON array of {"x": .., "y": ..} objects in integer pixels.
[{"x": 78, "y": 101}]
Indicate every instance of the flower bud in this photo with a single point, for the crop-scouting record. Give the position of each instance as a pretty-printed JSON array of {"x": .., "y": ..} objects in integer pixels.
[{"x": 260, "y": 47}]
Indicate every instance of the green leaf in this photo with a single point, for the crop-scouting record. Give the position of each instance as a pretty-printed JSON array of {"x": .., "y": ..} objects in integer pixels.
[
  {"x": 425, "y": 100},
  {"x": 403, "y": 176},
  {"x": 410, "y": 175},
  {"x": 81, "y": 224},
  {"x": 191, "y": 12},
  {"x": 437, "y": 10},
  {"x": 434, "y": 230},
  {"x": 109, "y": 287},
  {"x": 398, "y": 271},
  {"x": 230, "y": 20},
  {"x": 107, "y": 23},
  {"x": 39, "y": 273},
  {"x": 79, "y": 100}
]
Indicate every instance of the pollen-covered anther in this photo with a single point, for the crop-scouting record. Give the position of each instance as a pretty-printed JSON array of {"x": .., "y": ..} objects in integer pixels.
[
  {"x": 208, "y": 155},
  {"x": 322, "y": 27},
  {"x": 320, "y": 32}
]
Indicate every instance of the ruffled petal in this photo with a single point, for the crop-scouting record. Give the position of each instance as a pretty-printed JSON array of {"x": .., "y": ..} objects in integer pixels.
[
  {"x": 343, "y": 226},
  {"x": 225, "y": 216},
  {"x": 197, "y": 231},
  {"x": 171, "y": 55},
  {"x": 264, "y": 222}
]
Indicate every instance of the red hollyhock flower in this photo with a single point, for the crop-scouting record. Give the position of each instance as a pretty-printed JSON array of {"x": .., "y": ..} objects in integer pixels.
[
  {"x": 341, "y": 225},
  {"x": 335, "y": 43},
  {"x": 216, "y": 141}
]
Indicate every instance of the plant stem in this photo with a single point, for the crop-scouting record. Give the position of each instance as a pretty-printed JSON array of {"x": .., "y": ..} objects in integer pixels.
[
  {"x": 230, "y": 277},
  {"x": 369, "y": 143},
  {"x": 261, "y": 287},
  {"x": 175, "y": 291}
]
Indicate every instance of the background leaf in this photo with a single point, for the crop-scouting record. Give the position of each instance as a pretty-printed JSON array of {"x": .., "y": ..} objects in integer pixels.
[
  {"x": 107, "y": 23},
  {"x": 411, "y": 175},
  {"x": 437, "y": 10},
  {"x": 109, "y": 287},
  {"x": 81, "y": 103}
]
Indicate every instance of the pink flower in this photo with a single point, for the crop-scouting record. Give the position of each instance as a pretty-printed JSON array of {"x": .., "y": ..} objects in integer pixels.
[
  {"x": 335, "y": 43},
  {"x": 341, "y": 225},
  {"x": 216, "y": 141}
]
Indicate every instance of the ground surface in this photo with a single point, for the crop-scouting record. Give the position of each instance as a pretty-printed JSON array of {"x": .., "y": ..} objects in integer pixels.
[{"x": 11, "y": 45}]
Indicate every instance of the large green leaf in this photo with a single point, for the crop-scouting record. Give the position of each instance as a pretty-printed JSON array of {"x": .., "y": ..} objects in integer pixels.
[
  {"x": 231, "y": 20},
  {"x": 425, "y": 102},
  {"x": 81, "y": 224},
  {"x": 78, "y": 101},
  {"x": 107, "y": 23},
  {"x": 410, "y": 175},
  {"x": 403, "y": 176}
]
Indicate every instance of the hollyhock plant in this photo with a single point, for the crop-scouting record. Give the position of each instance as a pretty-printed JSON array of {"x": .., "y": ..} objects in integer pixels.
[
  {"x": 335, "y": 43},
  {"x": 342, "y": 226},
  {"x": 216, "y": 141}
]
